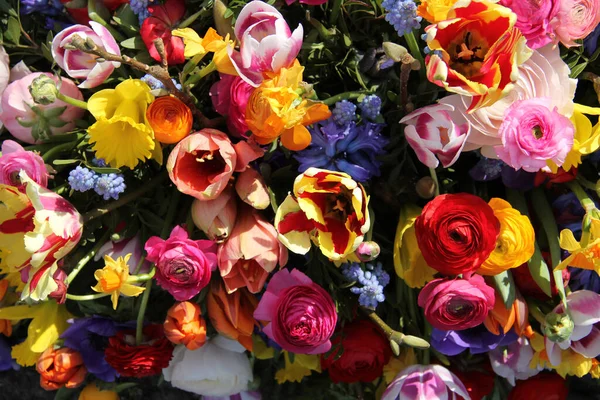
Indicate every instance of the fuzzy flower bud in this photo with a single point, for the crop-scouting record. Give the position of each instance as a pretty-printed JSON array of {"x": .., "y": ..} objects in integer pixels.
[
  {"x": 558, "y": 327},
  {"x": 43, "y": 90}
]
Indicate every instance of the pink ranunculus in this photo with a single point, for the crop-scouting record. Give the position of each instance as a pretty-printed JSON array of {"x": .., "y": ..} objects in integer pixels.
[
  {"x": 132, "y": 245},
  {"x": 431, "y": 382},
  {"x": 456, "y": 304},
  {"x": 301, "y": 315},
  {"x": 266, "y": 42},
  {"x": 216, "y": 218},
  {"x": 532, "y": 133},
  {"x": 251, "y": 252},
  {"x": 534, "y": 19},
  {"x": 80, "y": 65},
  {"x": 202, "y": 164},
  {"x": 22, "y": 121},
  {"x": 544, "y": 74},
  {"x": 15, "y": 158},
  {"x": 576, "y": 19},
  {"x": 435, "y": 134},
  {"x": 183, "y": 266},
  {"x": 230, "y": 96}
]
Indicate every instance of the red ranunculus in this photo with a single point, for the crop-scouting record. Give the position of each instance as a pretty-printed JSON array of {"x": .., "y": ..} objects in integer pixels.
[
  {"x": 159, "y": 24},
  {"x": 542, "y": 386},
  {"x": 478, "y": 383},
  {"x": 147, "y": 359},
  {"x": 364, "y": 353},
  {"x": 456, "y": 233}
]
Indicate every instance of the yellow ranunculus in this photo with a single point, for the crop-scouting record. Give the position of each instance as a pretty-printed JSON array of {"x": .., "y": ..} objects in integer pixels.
[
  {"x": 121, "y": 135},
  {"x": 435, "y": 11},
  {"x": 515, "y": 243},
  {"x": 114, "y": 279},
  {"x": 196, "y": 47},
  {"x": 408, "y": 260}
]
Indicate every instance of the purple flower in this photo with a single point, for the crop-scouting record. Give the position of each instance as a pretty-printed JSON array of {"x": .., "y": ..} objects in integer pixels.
[
  {"x": 350, "y": 148},
  {"x": 584, "y": 279},
  {"x": 478, "y": 340},
  {"x": 488, "y": 169},
  {"x": 6, "y": 360}
]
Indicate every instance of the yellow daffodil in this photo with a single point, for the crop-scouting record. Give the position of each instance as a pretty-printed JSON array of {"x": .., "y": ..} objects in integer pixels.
[
  {"x": 121, "y": 134},
  {"x": 196, "y": 47},
  {"x": 434, "y": 11},
  {"x": 572, "y": 363},
  {"x": 48, "y": 322},
  {"x": 515, "y": 243},
  {"x": 302, "y": 366},
  {"x": 408, "y": 260},
  {"x": 397, "y": 364},
  {"x": 114, "y": 279},
  {"x": 585, "y": 257}
]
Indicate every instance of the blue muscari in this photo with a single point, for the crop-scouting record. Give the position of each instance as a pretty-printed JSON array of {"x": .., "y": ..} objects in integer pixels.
[
  {"x": 140, "y": 8},
  {"x": 108, "y": 186},
  {"x": 372, "y": 281},
  {"x": 402, "y": 15},
  {"x": 344, "y": 112},
  {"x": 370, "y": 107}
]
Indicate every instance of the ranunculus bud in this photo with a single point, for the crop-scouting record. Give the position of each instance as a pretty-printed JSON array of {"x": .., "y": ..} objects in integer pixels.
[
  {"x": 216, "y": 217},
  {"x": 367, "y": 251},
  {"x": 43, "y": 90},
  {"x": 558, "y": 327},
  {"x": 251, "y": 188},
  {"x": 425, "y": 187},
  {"x": 60, "y": 293}
]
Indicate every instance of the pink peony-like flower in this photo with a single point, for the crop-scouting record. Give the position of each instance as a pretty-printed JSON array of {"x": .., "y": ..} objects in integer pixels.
[
  {"x": 251, "y": 252},
  {"x": 230, "y": 96},
  {"x": 431, "y": 382},
  {"x": 435, "y": 134},
  {"x": 456, "y": 304},
  {"x": 216, "y": 218},
  {"x": 576, "y": 19},
  {"x": 301, "y": 315},
  {"x": 19, "y": 117},
  {"x": 80, "y": 65},
  {"x": 532, "y": 133},
  {"x": 534, "y": 19},
  {"x": 14, "y": 159},
  {"x": 183, "y": 266}
]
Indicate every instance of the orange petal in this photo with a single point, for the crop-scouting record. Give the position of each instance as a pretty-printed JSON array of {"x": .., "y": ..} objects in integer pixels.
[{"x": 296, "y": 139}]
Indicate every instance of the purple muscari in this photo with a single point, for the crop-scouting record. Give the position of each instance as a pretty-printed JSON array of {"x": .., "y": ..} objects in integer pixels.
[
  {"x": 478, "y": 340},
  {"x": 344, "y": 112},
  {"x": 110, "y": 186},
  {"x": 140, "y": 8},
  {"x": 6, "y": 360},
  {"x": 82, "y": 179},
  {"x": 370, "y": 107},
  {"x": 352, "y": 149},
  {"x": 372, "y": 282}
]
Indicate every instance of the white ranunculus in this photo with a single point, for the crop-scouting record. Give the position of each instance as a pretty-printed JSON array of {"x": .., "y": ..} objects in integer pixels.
[{"x": 219, "y": 368}]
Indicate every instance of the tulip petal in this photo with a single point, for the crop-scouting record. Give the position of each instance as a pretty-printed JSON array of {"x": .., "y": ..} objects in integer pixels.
[
  {"x": 584, "y": 307},
  {"x": 589, "y": 346}
]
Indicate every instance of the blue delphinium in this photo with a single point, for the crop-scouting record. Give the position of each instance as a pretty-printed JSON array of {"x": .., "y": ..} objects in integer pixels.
[
  {"x": 344, "y": 112},
  {"x": 372, "y": 282},
  {"x": 370, "y": 107},
  {"x": 352, "y": 149},
  {"x": 110, "y": 186},
  {"x": 402, "y": 15},
  {"x": 82, "y": 179}
]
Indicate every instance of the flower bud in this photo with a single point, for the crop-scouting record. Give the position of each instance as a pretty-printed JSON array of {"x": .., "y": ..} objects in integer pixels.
[
  {"x": 43, "y": 90},
  {"x": 426, "y": 187},
  {"x": 60, "y": 294},
  {"x": 367, "y": 251},
  {"x": 216, "y": 217},
  {"x": 394, "y": 51},
  {"x": 251, "y": 188},
  {"x": 558, "y": 327}
]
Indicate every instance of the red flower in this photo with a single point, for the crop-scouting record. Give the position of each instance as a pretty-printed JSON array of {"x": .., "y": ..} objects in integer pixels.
[
  {"x": 528, "y": 287},
  {"x": 456, "y": 233},
  {"x": 159, "y": 24},
  {"x": 561, "y": 176},
  {"x": 147, "y": 359},
  {"x": 364, "y": 353},
  {"x": 478, "y": 383},
  {"x": 542, "y": 386},
  {"x": 81, "y": 15}
]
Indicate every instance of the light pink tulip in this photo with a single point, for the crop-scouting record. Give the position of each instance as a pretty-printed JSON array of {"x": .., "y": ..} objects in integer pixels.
[
  {"x": 132, "y": 245},
  {"x": 251, "y": 252},
  {"x": 435, "y": 135},
  {"x": 23, "y": 123},
  {"x": 251, "y": 188},
  {"x": 4, "y": 69},
  {"x": 15, "y": 158},
  {"x": 431, "y": 382},
  {"x": 216, "y": 218},
  {"x": 266, "y": 42},
  {"x": 81, "y": 65}
]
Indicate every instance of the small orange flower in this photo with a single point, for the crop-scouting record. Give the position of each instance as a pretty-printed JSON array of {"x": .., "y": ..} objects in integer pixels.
[
  {"x": 60, "y": 368},
  {"x": 501, "y": 320},
  {"x": 184, "y": 325},
  {"x": 170, "y": 119}
]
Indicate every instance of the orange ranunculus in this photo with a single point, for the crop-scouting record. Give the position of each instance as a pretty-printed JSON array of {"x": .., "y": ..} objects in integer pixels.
[
  {"x": 60, "y": 368},
  {"x": 92, "y": 392},
  {"x": 5, "y": 325},
  {"x": 170, "y": 119},
  {"x": 232, "y": 314},
  {"x": 185, "y": 325},
  {"x": 501, "y": 320}
]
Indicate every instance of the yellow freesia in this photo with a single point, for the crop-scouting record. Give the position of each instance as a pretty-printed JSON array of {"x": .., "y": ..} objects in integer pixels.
[
  {"x": 121, "y": 134},
  {"x": 196, "y": 47},
  {"x": 587, "y": 257},
  {"x": 515, "y": 243},
  {"x": 48, "y": 322},
  {"x": 114, "y": 279},
  {"x": 408, "y": 260},
  {"x": 302, "y": 366}
]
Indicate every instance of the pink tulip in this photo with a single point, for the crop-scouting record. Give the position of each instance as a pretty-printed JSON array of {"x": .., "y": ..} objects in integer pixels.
[
  {"x": 19, "y": 115},
  {"x": 431, "y": 382},
  {"x": 132, "y": 245},
  {"x": 266, "y": 42},
  {"x": 251, "y": 252},
  {"x": 15, "y": 158},
  {"x": 216, "y": 218},
  {"x": 251, "y": 188},
  {"x": 81, "y": 65}
]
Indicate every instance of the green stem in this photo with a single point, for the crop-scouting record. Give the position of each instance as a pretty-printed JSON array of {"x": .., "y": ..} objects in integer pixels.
[
  {"x": 393, "y": 335},
  {"x": 71, "y": 101},
  {"x": 142, "y": 277},
  {"x": 586, "y": 202},
  {"x": 138, "y": 267},
  {"x": 86, "y": 297},
  {"x": 586, "y": 233},
  {"x": 335, "y": 11},
  {"x": 47, "y": 156},
  {"x": 189, "y": 20},
  {"x": 211, "y": 67},
  {"x": 85, "y": 259},
  {"x": 342, "y": 96},
  {"x": 415, "y": 50},
  {"x": 535, "y": 312},
  {"x": 435, "y": 180}
]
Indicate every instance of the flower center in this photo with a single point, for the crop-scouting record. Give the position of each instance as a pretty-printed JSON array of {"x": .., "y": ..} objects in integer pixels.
[
  {"x": 110, "y": 281},
  {"x": 537, "y": 132},
  {"x": 338, "y": 206},
  {"x": 467, "y": 54},
  {"x": 459, "y": 308}
]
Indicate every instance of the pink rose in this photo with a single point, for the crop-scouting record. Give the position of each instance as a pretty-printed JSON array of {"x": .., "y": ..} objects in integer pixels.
[
  {"x": 216, "y": 218},
  {"x": 14, "y": 159},
  {"x": 576, "y": 19},
  {"x": 230, "y": 96},
  {"x": 534, "y": 19},
  {"x": 80, "y": 65},
  {"x": 251, "y": 252},
  {"x": 534, "y": 132},
  {"x": 183, "y": 266},
  {"x": 456, "y": 304},
  {"x": 301, "y": 315},
  {"x": 23, "y": 122}
]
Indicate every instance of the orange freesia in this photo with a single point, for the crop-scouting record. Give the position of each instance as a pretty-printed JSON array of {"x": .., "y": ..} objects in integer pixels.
[
  {"x": 501, "y": 320},
  {"x": 60, "y": 368},
  {"x": 185, "y": 325},
  {"x": 232, "y": 314},
  {"x": 5, "y": 325},
  {"x": 170, "y": 119}
]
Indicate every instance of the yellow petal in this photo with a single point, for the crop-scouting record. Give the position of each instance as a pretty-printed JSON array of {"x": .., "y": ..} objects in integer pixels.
[
  {"x": 103, "y": 104},
  {"x": 47, "y": 327},
  {"x": 568, "y": 242},
  {"x": 191, "y": 40},
  {"x": 131, "y": 290},
  {"x": 586, "y": 109}
]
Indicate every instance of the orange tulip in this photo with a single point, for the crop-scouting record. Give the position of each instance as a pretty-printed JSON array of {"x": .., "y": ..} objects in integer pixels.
[
  {"x": 184, "y": 325},
  {"x": 5, "y": 325},
  {"x": 60, "y": 368},
  {"x": 92, "y": 392},
  {"x": 232, "y": 314},
  {"x": 501, "y": 317},
  {"x": 170, "y": 119}
]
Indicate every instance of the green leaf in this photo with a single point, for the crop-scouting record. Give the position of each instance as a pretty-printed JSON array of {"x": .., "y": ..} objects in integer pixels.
[
  {"x": 506, "y": 287},
  {"x": 13, "y": 31},
  {"x": 153, "y": 221},
  {"x": 65, "y": 162},
  {"x": 64, "y": 394},
  {"x": 135, "y": 42},
  {"x": 578, "y": 69},
  {"x": 539, "y": 271}
]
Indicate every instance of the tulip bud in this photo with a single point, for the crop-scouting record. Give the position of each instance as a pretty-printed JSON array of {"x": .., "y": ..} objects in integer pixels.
[
  {"x": 60, "y": 294},
  {"x": 426, "y": 187},
  {"x": 222, "y": 23},
  {"x": 43, "y": 90},
  {"x": 558, "y": 327},
  {"x": 251, "y": 188},
  {"x": 216, "y": 217},
  {"x": 367, "y": 251}
]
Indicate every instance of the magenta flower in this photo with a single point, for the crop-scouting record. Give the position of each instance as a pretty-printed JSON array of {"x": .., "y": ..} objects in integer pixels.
[
  {"x": 230, "y": 96},
  {"x": 183, "y": 266},
  {"x": 534, "y": 20},
  {"x": 301, "y": 314},
  {"x": 14, "y": 159},
  {"x": 532, "y": 133},
  {"x": 431, "y": 382}
]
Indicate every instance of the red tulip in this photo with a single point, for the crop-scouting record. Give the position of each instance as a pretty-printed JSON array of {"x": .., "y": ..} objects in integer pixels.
[{"x": 159, "y": 24}]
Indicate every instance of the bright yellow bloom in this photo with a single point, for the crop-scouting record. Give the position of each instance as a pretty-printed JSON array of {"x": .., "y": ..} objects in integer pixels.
[
  {"x": 587, "y": 257},
  {"x": 435, "y": 11},
  {"x": 121, "y": 134},
  {"x": 114, "y": 279},
  {"x": 302, "y": 366},
  {"x": 408, "y": 260},
  {"x": 48, "y": 322},
  {"x": 572, "y": 363},
  {"x": 195, "y": 46},
  {"x": 515, "y": 243},
  {"x": 396, "y": 364}
]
